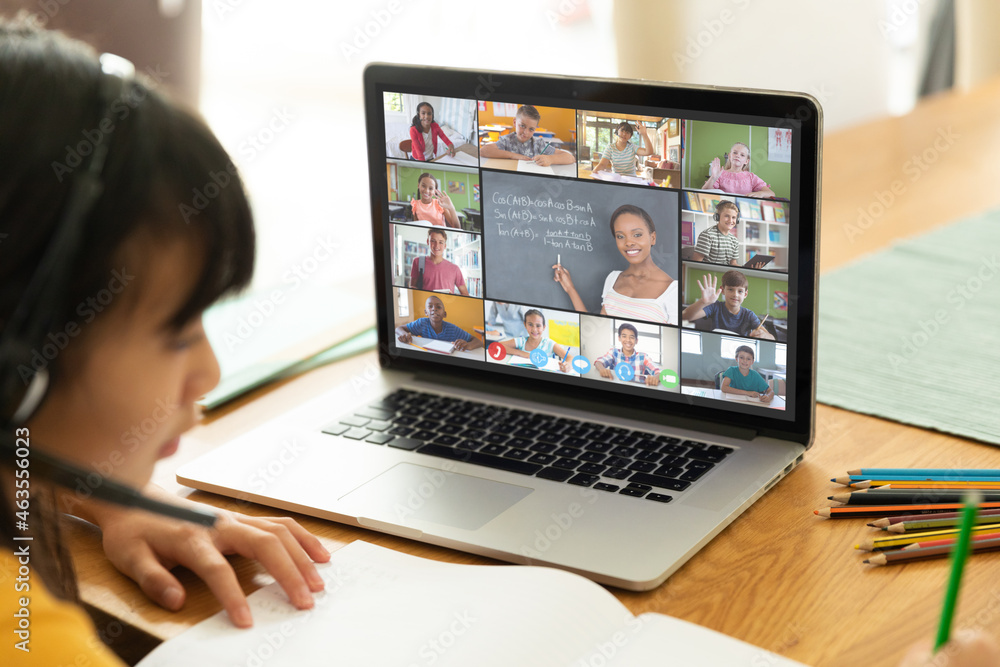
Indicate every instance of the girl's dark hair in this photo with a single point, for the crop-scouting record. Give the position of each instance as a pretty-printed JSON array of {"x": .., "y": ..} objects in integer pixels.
[
  {"x": 533, "y": 311},
  {"x": 634, "y": 210},
  {"x": 166, "y": 177},
  {"x": 625, "y": 125},
  {"x": 427, "y": 174},
  {"x": 416, "y": 118}
]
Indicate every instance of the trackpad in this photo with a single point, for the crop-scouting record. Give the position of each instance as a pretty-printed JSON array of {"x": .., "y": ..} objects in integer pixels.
[{"x": 406, "y": 493}]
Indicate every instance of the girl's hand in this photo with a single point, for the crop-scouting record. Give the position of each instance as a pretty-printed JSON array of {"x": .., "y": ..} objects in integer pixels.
[
  {"x": 564, "y": 366},
  {"x": 518, "y": 156},
  {"x": 563, "y": 278},
  {"x": 145, "y": 547},
  {"x": 709, "y": 292},
  {"x": 451, "y": 151},
  {"x": 643, "y": 130},
  {"x": 966, "y": 649},
  {"x": 444, "y": 199},
  {"x": 543, "y": 160},
  {"x": 714, "y": 168}
]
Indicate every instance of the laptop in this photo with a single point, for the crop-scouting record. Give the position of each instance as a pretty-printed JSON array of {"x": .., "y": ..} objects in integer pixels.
[{"x": 554, "y": 386}]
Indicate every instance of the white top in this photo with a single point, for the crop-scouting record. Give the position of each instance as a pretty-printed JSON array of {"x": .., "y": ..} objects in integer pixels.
[{"x": 661, "y": 309}]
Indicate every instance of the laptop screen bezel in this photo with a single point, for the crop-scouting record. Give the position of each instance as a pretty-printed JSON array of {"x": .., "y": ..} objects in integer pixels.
[{"x": 796, "y": 110}]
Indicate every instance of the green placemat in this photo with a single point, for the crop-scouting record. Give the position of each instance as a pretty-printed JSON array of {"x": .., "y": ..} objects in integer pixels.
[{"x": 912, "y": 333}]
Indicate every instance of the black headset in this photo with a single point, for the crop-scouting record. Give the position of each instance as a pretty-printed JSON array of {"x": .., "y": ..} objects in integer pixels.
[{"x": 22, "y": 387}]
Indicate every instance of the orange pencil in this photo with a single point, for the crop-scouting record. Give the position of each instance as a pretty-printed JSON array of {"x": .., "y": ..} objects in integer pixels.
[{"x": 946, "y": 541}]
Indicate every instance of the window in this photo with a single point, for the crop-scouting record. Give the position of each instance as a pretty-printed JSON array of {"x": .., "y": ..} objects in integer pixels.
[
  {"x": 393, "y": 102},
  {"x": 780, "y": 354},
  {"x": 729, "y": 345},
  {"x": 690, "y": 342}
]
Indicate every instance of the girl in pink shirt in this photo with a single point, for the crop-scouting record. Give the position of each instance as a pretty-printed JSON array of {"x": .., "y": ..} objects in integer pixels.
[
  {"x": 735, "y": 177},
  {"x": 433, "y": 205}
]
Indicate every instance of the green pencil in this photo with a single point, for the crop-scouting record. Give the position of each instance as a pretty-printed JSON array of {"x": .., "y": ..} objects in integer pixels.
[{"x": 959, "y": 556}]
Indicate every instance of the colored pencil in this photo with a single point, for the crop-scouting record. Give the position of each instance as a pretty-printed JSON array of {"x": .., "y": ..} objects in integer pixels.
[
  {"x": 947, "y": 541},
  {"x": 965, "y": 486},
  {"x": 905, "y": 497},
  {"x": 888, "y": 479},
  {"x": 948, "y": 472},
  {"x": 937, "y": 523},
  {"x": 896, "y": 541},
  {"x": 861, "y": 511},
  {"x": 960, "y": 555},
  {"x": 888, "y": 521},
  {"x": 904, "y": 555}
]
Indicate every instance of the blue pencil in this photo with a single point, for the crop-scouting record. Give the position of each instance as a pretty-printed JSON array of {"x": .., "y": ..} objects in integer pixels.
[{"x": 880, "y": 473}]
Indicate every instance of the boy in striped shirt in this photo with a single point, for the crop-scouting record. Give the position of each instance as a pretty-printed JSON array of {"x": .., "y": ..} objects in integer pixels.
[
  {"x": 522, "y": 144},
  {"x": 718, "y": 244},
  {"x": 642, "y": 367}
]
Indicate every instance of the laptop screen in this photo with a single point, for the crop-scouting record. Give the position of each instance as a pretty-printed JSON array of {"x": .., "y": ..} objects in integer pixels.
[{"x": 572, "y": 232}]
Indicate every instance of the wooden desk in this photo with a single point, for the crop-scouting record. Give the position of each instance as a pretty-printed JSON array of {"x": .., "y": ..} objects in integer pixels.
[{"x": 778, "y": 577}]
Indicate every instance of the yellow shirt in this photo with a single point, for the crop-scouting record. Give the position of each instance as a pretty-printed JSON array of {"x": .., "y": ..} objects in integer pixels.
[{"x": 37, "y": 628}]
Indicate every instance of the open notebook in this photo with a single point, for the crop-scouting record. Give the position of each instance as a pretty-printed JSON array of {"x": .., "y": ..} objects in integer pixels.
[{"x": 382, "y": 607}]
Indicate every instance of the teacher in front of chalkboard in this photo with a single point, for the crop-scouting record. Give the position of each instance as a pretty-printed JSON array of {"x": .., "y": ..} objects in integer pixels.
[{"x": 643, "y": 291}]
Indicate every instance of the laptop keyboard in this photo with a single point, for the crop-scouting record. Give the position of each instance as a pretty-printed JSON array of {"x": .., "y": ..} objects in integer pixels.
[{"x": 607, "y": 458}]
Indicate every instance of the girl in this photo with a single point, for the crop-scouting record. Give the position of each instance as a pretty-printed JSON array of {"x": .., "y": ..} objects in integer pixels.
[
  {"x": 736, "y": 177},
  {"x": 643, "y": 291},
  {"x": 534, "y": 322},
  {"x": 433, "y": 205},
  {"x": 109, "y": 220},
  {"x": 620, "y": 154},
  {"x": 424, "y": 134}
]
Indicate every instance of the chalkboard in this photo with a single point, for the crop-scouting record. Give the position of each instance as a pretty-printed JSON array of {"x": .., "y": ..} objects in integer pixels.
[{"x": 529, "y": 222}]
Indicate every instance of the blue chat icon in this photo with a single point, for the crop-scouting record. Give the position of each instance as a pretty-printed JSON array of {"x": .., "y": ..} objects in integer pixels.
[{"x": 581, "y": 365}]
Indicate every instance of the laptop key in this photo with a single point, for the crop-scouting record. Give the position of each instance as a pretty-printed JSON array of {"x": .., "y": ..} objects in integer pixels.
[
  {"x": 405, "y": 420},
  {"x": 573, "y": 441},
  {"x": 566, "y": 463},
  {"x": 591, "y": 457},
  {"x": 617, "y": 462},
  {"x": 659, "y": 481},
  {"x": 354, "y": 420},
  {"x": 582, "y": 479},
  {"x": 604, "y": 486},
  {"x": 555, "y": 474},
  {"x": 520, "y": 443},
  {"x": 627, "y": 452},
  {"x": 357, "y": 433},
  {"x": 635, "y": 493},
  {"x": 699, "y": 465},
  {"x": 598, "y": 447},
  {"x": 372, "y": 412},
  {"x": 670, "y": 471},
  {"x": 423, "y": 435},
  {"x": 405, "y": 443},
  {"x": 648, "y": 456},
  {"x": 519, "y": 454},
  {"x": 336, "y": 429},
  {"x": 446, "y": 440},
  {"x": 494, "y": 450},
  {"x": 401, "y": 430},
  {"x": 469, "y": 444},
  {"x": 659, "y": 497},
  {"x": 648, "y": 444},
  {"x": 693, "y": 475},
  {"x": 618, "y": 473},
  {"x": 624, "y": 440},
  {"x": 544, "y": 459},
  {"x": 377, "y": 425},
  {"x": 700, "y": 455},
  {"x": 567, "y": 451},
  {"x": 642, "y": 466},
  {"x": 478, "y": 458},
  {"x": 379, "y": 438},
  {"x": 591, "y": 469},
  {"x": 450, "y": 429},
  {"x": 542, "y": 447}
]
